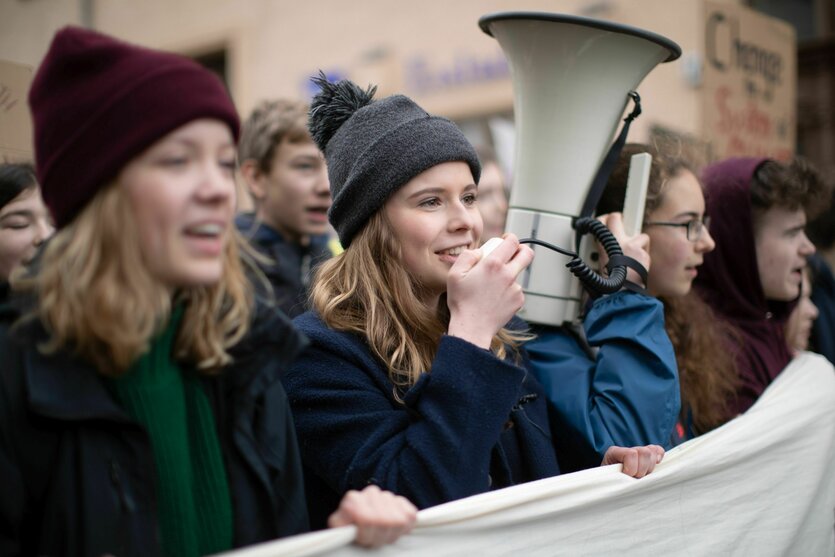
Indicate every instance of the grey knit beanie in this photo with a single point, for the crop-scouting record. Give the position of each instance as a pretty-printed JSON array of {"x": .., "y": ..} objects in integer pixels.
[{"x": 374, "y": 147}]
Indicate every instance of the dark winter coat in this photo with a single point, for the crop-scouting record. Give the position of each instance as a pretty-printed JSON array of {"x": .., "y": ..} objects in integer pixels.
[
  {"x": 627, "y": 393},
  {"x": 290, "y": 266},
  {"x": 473, "y": 423},
  {"x": 78, "y": 474},
  {"x": 729, "y": 281},
  {"x": 823, "y": 296}
]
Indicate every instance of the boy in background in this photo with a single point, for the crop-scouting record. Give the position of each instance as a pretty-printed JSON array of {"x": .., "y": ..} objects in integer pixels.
[{"x": 286, "y": 174}]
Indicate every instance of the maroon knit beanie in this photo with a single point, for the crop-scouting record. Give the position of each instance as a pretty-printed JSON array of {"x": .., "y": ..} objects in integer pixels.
[{"x": 98, "y": 102}]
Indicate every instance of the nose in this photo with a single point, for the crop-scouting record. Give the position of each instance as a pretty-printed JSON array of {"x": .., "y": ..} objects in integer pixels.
[
  {"x": 323, "y": 185},
  {"x": 462, "y": 217},
  {"x": 217, "y": 183},
  {"x": 705, "y": 243},
  {"x": 43, "y": 230},
  {"x": 813, "y": 311},
  {"x": 807, "y": 248}
]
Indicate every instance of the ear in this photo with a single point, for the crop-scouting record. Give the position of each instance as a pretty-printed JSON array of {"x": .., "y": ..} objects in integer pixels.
[{"x": 254, "y": 178}]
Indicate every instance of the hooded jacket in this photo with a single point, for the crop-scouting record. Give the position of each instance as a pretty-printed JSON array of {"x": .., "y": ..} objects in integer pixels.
[{"x": 729, "y": 281}]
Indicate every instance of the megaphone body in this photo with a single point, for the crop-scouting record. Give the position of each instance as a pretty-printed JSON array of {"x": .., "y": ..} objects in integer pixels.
[{"x": 571, "y": 78}]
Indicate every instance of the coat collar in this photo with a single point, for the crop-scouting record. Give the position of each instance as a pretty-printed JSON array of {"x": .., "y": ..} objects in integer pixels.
[{"x": 63, "y": 387}]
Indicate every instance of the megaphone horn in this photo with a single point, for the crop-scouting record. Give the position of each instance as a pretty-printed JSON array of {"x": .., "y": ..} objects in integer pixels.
[{"x": 571, "y": 80}]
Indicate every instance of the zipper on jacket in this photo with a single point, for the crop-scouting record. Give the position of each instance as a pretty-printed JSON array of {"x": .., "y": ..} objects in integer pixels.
[{"x": 125, "y": 498}]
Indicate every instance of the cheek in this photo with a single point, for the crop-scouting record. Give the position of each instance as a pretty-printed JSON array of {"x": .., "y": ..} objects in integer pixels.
[
  {"x": 773, "y": 264},
  {"x": 413, "y": 247},
  {"x": 478, "y": 224},
  {"x": 154, "y": 225},
  {"x": 668, "y": 254},
  {"x": 415, "y": 239},
  {"x": 13, "y": 245}
]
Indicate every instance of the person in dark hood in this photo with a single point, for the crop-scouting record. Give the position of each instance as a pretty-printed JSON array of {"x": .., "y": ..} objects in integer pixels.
[{"x": 758, "y": 209}]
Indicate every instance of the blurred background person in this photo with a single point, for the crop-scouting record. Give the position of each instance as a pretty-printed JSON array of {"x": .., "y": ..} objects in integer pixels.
[
  {"x": 821, "y": 231},
  {"x": 758, "y": 209},
  {"x": 802, "y": 318},
  {"x": 492, "y": 194},
  {"x": 24, "y": 219},
  {"x": 288, "y": 180}
]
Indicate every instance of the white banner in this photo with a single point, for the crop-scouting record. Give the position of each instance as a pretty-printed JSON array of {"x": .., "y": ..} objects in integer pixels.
[{"x": 763, "y": 484}]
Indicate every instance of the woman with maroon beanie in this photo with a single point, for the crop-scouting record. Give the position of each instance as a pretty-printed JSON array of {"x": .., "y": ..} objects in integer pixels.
[{"x": 140, "y": 407}]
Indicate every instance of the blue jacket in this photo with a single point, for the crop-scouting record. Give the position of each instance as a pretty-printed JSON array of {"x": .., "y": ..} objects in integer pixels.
[
  {"x": 473, "y": 423},
  {"x": 627, "y": 395}
]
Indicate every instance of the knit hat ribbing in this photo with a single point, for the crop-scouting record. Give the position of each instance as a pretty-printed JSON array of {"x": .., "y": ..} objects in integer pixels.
[
  {"x": 98, "y": 102},
  {"x": 373, "y": 148}
]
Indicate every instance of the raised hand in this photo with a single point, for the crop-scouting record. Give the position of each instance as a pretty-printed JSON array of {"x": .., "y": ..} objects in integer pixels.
[
  {"x": 636, "y": 247},
  {"x": 482, "y": 292}
]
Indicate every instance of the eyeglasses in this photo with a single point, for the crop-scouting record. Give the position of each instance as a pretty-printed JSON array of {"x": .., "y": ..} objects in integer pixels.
[{"x": 695, "y": 228}]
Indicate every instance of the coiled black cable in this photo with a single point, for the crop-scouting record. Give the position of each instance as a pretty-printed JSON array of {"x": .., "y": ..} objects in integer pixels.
[{"x": 591, "y": 280}]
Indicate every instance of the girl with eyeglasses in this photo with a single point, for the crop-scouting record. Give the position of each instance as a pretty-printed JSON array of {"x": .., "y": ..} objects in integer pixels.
[
  {"x": 679, "y": 229},
  {"x": 631, "y": 398}
]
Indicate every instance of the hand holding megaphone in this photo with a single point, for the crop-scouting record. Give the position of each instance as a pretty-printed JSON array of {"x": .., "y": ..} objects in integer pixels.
[
  {"x": 635, "y": 246},
  {"x": 482, "y": 292}
]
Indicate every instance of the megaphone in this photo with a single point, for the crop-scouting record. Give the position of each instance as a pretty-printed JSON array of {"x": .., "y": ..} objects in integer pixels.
[{"x": 572, "y": 77}]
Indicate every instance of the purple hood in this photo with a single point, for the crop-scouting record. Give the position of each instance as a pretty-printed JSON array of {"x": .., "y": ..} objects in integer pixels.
[{"x": 729, "y": 279}]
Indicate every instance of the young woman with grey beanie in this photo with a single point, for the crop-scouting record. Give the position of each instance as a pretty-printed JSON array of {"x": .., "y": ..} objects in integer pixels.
[
  {"x": 141, "y": 411},
  {"x": 415, "y": 377}
]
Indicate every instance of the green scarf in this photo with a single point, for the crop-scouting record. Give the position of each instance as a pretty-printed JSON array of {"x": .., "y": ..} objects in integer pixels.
[{"x": 193, "y": 501}]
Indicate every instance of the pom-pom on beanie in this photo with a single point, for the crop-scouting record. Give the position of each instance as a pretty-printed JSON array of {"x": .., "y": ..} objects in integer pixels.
[
  {"x": 98, "y": 102},
  {"x": 374, "y": 147}
]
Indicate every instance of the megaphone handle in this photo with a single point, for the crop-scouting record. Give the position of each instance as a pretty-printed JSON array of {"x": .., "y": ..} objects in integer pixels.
[{"x": 605, "y": 170}]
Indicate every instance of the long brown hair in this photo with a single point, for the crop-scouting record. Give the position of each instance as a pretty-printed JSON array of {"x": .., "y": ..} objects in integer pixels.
[
  {"x": 366, "y": 290},
  {"x": 97, "y": 298},
  {"x": 707, "y": 371}
]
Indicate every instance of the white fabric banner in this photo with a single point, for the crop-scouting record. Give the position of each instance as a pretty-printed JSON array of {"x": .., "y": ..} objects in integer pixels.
[{"x": 763, "y": 484}]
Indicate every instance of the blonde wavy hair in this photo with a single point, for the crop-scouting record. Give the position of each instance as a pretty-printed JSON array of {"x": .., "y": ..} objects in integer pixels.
[
  {"x": 366, "y": 290},
  {"x": 97, "y": 299}
]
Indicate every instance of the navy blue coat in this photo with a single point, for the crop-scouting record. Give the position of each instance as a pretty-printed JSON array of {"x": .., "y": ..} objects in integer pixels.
[
  {"x": 473, "y": 423},
  {"x": 78, "y": 475},
  {"x": 823, "y": 295},
  {"x": 290, "y": 266},
  {"x": 626, "y": 394}
]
